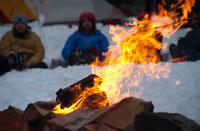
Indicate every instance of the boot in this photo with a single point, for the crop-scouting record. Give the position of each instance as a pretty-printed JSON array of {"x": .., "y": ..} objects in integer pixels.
[
  {"x": 12, "y": 60},
  {"x": 21, "y": 63}
]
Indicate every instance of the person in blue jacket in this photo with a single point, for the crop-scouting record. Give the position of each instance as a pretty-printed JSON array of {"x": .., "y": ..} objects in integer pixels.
[{"x": 86, "y": 44}]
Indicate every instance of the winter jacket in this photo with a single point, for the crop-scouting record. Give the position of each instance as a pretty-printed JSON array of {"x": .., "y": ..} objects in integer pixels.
[
  {"x": 190, "y": 45},
  {"x": 86, "y": 41},
  {"x": 78, "y": 40},
  {"x": 30, "y": 45}
]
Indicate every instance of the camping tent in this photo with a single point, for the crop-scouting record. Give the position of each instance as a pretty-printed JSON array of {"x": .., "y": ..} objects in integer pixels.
[
  {"x": 68, "y": 11},
  {"x": 10, "y": 8}
]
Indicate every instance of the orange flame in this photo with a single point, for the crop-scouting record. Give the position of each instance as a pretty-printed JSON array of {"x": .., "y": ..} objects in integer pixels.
[
  {"x": 135, "y": 55},
  {"x": 85, "y": 98},
  {"x": 66, "y": 110}
]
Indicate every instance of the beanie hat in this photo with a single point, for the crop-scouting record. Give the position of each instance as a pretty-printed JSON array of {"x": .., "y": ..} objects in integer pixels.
[
  {"x": 20, "y": 18},
  {"x": 91, "y": 17}
]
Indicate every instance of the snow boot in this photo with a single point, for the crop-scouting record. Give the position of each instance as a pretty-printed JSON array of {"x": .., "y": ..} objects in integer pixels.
[
  {"x": 21, "y": 63},
  {"x": 12, "y": 60}
]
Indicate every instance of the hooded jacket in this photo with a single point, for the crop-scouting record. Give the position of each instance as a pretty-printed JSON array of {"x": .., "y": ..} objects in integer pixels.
[
  {"x": 83, "y": 40},
  {"x": 30, "y": 45}
]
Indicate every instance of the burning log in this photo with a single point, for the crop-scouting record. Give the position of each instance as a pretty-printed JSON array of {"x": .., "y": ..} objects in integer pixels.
[
  {"x": 120, "y": 116},
  {"x": 86, "y": 91},
  {"x": 75, "y": 120}
]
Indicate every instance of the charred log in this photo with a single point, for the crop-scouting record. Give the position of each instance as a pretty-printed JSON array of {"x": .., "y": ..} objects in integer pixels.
[{"x": 83, "y": 89}]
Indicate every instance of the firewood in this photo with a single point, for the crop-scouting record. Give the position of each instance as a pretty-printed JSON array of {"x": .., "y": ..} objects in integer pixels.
[
  {"x": 37, "y": 116},
  {"x": 122, "y": 115},
  {"x": 73, "y": 121},
  {"x": 47, "y": 105},
  {"x": 12, "y": 123},
  {"x": 83, "y": 89},
  {"x": 95, "y": 126},
  {"x": 14, "y": 111},
  {"x": 162, "y": 121}
]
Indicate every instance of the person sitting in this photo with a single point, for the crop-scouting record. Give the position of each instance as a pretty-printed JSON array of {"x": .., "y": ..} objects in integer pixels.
[
  {"x": 187, "y": 48},
  {"x": 147, "y": 40},
  {"x": 20, "y": 48},
  {"x": 86, "y": 44}
]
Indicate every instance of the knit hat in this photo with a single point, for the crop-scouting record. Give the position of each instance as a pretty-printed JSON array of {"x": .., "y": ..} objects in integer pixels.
[
  {"x": 20, "y": 18},
  {"x": 90, "y": 16}
]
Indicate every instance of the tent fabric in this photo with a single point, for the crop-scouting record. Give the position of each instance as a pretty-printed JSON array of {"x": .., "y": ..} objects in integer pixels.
[
  {"x": 66, "y": 11},
  {"x": 10, "y": 8},
  {"x": 3, "y": 18}
]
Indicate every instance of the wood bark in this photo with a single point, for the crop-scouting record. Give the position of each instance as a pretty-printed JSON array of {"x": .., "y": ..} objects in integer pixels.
[
  {"x": 73, "y": 121},
  {"x": 94, "y": 97},
  {"x": 14, "y": 111},
  {"x": 122, "y": 115},
  {"x": 12, "y": 123},
  {"x": 148, "y": 121}
]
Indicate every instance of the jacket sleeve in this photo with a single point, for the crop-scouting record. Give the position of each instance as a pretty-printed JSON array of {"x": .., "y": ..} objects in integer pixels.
[
  {"x": 5, "y": 45},
  {"x": 68, "y": 47},
  {"x": 39, "y": 51},
  {"x": 104, "y": 43}
]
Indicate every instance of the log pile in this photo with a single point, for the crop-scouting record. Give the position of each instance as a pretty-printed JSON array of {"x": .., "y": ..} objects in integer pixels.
[
  {"x": 120, "y": 116},
  {"x": 130, "y": 114}
]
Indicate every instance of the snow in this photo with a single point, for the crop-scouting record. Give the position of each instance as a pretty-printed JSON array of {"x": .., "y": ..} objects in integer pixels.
[{"x": 179, "y": 93}]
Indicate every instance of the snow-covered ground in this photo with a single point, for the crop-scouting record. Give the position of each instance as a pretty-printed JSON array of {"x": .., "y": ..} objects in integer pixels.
[{"x": 179, "y": 93}]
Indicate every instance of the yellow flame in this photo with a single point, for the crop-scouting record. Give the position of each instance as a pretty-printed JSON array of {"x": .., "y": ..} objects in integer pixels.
[
  {"x": 134, "y": 56},
  {"x": 81, "y": 99},
  {"x": 66, "y": 110}
]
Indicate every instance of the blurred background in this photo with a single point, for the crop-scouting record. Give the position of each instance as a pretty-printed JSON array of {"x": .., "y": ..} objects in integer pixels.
[{"x": 68, "y": 11}]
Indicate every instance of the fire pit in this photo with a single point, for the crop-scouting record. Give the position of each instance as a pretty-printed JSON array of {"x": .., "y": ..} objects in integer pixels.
[{"x": 97, "y": 102}]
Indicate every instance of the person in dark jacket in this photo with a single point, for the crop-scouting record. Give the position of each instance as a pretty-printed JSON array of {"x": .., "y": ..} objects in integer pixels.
[
  {"x": 187, "y": 48},
  {"x": 86, "y": 44},
  {"x": 20, "y": 48},
  {"x": 153, "y": 52}
]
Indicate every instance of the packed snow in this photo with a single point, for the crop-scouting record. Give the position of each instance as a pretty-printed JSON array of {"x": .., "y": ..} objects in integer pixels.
[{"x": 179, "y": 93}]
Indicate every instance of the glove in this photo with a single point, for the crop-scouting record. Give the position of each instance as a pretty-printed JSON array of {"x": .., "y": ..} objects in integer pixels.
[{"x": 80, "y": 56}]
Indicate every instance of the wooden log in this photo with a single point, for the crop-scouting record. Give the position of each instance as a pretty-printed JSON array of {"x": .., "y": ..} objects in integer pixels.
[
  {"x": 12, "y": 123},
  {"x": 47, "y": 105},
  {"x": 73, "y": 121},
  {"x": 119, "y": 116},
  {"x": 95, "y": 126},
  {"x": 122, "y": 115},
  {"x": 83, "y": 89},
  {"x": 14, "y": 111},
  {"x": 162, "y": 121},
  {"x": 36, "y": 116}
]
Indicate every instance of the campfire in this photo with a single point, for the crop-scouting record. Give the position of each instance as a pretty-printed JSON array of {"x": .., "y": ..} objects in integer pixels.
[
  {"x": 84, "y": 93},
  {"x": 134, "y": 56},
  {"x": 103, "y": 101}
]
